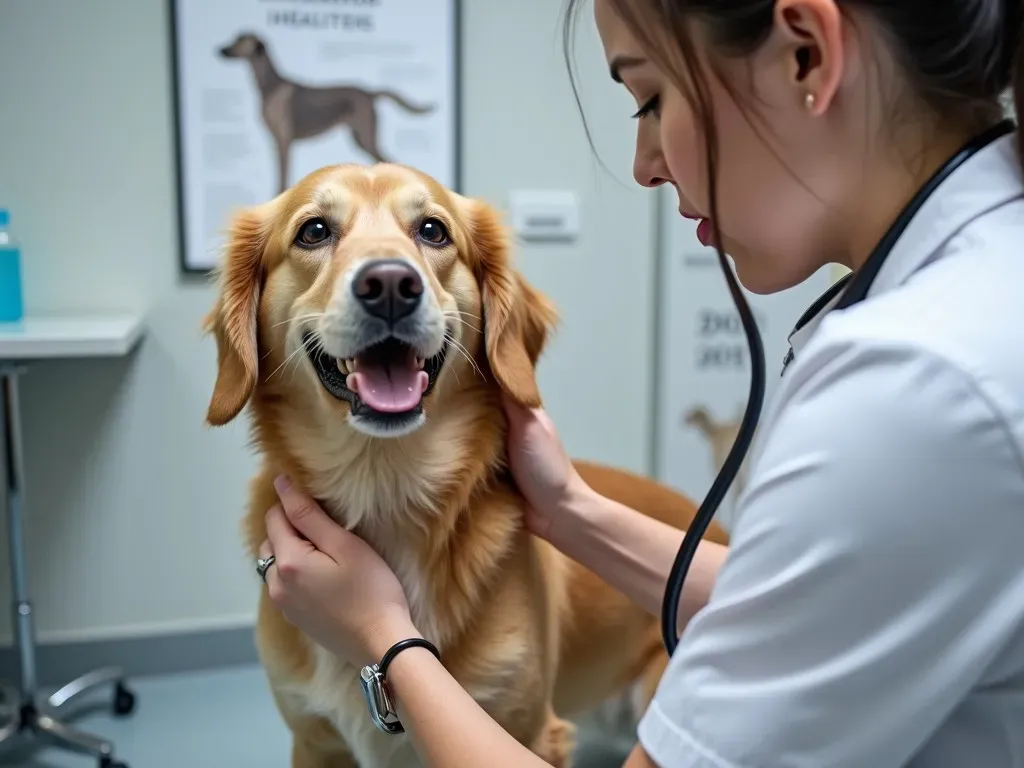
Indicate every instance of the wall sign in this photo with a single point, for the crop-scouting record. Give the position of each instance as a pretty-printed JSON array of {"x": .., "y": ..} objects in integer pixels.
[{"x": 268, "y": 90}]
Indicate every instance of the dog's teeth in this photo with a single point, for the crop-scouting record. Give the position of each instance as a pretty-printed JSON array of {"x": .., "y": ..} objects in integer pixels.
[
  {"x": 420, "y": 362},
  {"x": 351, "y": 363},
  {"x": 342, "y": 366}
]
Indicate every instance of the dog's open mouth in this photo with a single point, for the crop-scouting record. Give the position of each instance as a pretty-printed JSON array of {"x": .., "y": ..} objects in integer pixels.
[{"x": 387, "y": 380}]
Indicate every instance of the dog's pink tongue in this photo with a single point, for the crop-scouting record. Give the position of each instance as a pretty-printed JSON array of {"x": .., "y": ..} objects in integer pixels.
[{"x": 389, "y": 389}]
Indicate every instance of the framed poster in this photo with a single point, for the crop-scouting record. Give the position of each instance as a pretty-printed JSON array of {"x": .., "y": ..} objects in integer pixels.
[
  {"x": 703, "y": 376},
  {"x": 267, "y": 91}
]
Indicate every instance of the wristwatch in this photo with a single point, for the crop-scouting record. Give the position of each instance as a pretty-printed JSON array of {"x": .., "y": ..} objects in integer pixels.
[
  {"x": 378, "y": 700},
  {"x": 377, "y": 692}
]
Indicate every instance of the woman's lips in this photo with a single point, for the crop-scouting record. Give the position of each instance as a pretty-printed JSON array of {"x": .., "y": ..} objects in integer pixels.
[{"x": 704, "y": 233}]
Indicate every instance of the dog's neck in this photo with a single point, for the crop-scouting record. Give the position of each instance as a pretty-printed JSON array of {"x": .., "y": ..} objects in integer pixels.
[
  {"x": 416, "y": 501},
  {"x": 267, "y": 77}
]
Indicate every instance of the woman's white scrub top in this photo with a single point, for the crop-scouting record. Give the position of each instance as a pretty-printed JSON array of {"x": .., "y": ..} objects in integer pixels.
[{"x": 870, "y": 613}]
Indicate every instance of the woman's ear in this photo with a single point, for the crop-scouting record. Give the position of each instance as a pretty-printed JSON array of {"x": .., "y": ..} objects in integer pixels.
[
  {"x": 517, "y": 318},
  {"x": 233, "y": 318},
  {"x": 811, "y": 35}
]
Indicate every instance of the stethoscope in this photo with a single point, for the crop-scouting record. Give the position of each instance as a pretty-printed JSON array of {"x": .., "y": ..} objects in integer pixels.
[{"x": 854, "y": 288}]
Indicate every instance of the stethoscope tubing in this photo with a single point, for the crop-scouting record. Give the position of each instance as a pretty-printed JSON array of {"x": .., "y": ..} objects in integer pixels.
[{"x": 856, "y": 290}]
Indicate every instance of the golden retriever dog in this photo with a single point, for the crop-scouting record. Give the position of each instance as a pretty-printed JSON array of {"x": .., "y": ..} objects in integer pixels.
[{"x": 370, "y": 319}]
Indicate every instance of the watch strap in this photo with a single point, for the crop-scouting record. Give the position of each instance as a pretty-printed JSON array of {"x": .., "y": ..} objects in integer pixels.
[{"x": 401, "y": 645}]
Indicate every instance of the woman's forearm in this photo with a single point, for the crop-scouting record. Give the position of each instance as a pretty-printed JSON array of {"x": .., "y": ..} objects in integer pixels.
[
  {"x": 634, "y": 553},
  {"x": 631, "y": 551},
  {"x": 448, "y": 728}
]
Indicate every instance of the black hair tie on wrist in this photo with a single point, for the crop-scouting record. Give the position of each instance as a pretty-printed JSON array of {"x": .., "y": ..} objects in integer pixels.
[{"x": 401, "y": 645}]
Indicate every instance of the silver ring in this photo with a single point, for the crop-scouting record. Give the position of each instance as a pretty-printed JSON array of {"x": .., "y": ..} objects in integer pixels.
[{"x": 261, "y": 567}]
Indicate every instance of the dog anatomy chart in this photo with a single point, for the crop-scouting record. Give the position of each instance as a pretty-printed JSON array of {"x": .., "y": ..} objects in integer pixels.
[
  {"x": 269, "y": 90},
  {"x": 704, "y": 364}
]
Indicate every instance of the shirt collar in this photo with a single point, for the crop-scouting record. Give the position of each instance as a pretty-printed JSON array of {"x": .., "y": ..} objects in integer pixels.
[
  {"x": 808, "y": 322},
  {"x": 987, "y": 180}
]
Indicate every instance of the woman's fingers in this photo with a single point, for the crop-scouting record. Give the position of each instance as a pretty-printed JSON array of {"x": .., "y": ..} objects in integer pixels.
[
  {"x": 280, "y": 533},
  {"x": 286, "y": 544},
  {"x": 308, "y": 518}
]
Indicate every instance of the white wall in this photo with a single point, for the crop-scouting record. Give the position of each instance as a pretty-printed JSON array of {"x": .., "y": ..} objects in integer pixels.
[{"x": 133, "y": 505}]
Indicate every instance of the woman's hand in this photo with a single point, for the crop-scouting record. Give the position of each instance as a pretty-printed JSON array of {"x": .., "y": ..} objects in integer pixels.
[
  {"x": 541, "y": 467},
  {"x": 329, "y": 583}
]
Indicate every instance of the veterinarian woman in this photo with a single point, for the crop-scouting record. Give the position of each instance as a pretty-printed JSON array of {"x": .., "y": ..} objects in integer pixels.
[{"x": 870, "y": 610}]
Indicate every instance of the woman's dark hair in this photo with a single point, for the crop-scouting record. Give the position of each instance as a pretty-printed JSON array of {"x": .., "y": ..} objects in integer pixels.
[{"x": 959, "y": 58}]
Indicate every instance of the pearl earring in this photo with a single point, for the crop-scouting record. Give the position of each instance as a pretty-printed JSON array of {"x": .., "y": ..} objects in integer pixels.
[{"x": 809, "y": 101}]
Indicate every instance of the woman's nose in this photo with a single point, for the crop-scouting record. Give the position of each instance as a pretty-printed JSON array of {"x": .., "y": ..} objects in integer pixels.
[
  {"x": 649, "y": 169},
  {"x": 646, "y": 176}
]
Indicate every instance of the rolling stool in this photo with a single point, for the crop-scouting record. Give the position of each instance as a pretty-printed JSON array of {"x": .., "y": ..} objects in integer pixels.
[{"x": 27, "y": 716}]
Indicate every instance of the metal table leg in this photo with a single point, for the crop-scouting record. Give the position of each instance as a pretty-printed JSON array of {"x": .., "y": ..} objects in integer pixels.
[{"x": 28, "y": 718}]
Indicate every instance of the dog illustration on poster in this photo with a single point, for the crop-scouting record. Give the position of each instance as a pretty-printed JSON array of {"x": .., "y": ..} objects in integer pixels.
[
  {"x": 720, "y": 436},
  {"x": 293, "y": 111}
]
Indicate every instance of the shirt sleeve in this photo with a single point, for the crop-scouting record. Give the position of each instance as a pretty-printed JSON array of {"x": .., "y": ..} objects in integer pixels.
[{"x": 873, "y": 576}]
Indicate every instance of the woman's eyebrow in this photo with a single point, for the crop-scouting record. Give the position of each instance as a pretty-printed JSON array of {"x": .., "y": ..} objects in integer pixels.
[{"x": 622, "y": 62}]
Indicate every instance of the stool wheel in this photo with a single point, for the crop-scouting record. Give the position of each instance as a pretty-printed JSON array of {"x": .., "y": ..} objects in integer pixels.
[{"x": 124, "y": 704}]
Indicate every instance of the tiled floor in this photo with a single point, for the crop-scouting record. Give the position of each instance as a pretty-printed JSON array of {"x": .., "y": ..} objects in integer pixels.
[{"x": 222, "y": 719}]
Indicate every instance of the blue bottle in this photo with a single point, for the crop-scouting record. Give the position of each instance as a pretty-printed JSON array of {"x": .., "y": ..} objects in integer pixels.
[{"x": 10, "y": 273}]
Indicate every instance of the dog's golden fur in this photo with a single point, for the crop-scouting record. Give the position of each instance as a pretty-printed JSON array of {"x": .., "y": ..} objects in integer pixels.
[{"x": 532, "y": 636}]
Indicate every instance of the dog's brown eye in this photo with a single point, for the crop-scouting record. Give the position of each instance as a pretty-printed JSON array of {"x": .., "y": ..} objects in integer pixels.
[
  {"x": 313, "y": 232},
  {"x": 433, "y": 231}
]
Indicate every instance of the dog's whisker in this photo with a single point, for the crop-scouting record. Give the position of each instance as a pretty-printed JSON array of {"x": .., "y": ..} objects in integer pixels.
[
  {"x": 295, "y": 368},
  {"x": 458, "y": 343},
  {"x": 472, "y": 327},
  {"x": 452, "y": 342},
  {"x": 472, "y": 362},
  {"x": 303, "y": 347},
  {"x": 299, "y": 319},
  {"x": 286, "y": 361},
  {"x": 306, "y": 343},
  {"x": 465, "y": 353},
  {"x": 295, "y": 357},
  {"x": 313, "y": 344},
  {"x": 457, "y": 312},
  {"x": 315, "y": 341},
  {"x": 459, "y": 317}
]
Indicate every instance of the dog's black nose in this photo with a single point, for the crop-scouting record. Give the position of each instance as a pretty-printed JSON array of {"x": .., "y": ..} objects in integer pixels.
[{"x": 388, "y": 288}]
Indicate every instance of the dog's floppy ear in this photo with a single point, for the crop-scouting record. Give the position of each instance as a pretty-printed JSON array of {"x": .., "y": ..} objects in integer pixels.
[
  {"x": 233, "y": 319},
  {"x": 517, "y": 318}
]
